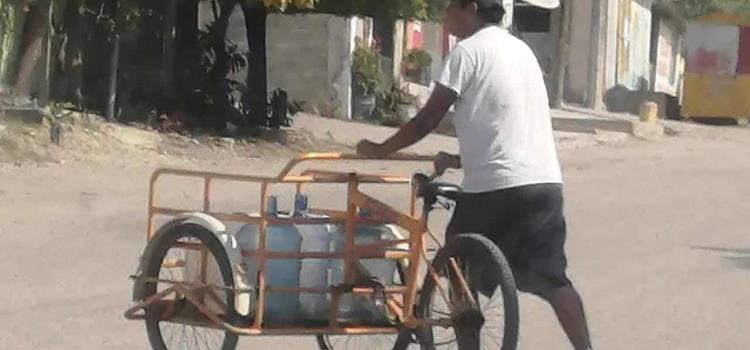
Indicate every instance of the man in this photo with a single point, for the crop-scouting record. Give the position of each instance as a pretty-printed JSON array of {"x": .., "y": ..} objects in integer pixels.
[{"x": 512, "y": 174}]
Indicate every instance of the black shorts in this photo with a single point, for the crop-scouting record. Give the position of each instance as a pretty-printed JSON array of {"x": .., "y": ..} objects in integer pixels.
[{"x": 528, "y": 225}]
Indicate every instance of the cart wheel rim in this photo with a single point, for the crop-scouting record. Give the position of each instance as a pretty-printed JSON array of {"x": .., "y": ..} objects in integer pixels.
[
  {"x": 446, "y": 305},
  {"x": 175, "y": 322},
  {"x": 491, "y": 312},
  {"x": 183, "y": 336}
]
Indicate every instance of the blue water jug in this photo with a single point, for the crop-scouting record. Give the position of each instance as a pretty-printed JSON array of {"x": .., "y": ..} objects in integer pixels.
[
  {"x": 282, "y": 273},
  {"x": 360, "y": 308},
  {"x": 314, "y": 272}
]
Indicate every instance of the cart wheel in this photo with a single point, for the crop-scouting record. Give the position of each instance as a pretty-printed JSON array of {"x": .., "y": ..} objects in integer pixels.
[
  {"x": 369, "y": 342},
  {"x": 176, "y": 323},
  {"x": 463, "y": 326}
]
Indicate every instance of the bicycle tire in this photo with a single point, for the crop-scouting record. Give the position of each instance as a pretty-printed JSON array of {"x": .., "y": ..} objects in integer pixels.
[{"x": 467, "y": 247}]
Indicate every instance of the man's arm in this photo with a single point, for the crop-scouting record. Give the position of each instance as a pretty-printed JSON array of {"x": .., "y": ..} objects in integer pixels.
[{"x": 428, "y": 118}]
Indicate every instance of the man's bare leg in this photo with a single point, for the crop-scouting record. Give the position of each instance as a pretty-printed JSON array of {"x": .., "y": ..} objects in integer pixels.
[{"x": 569, "y": 309}]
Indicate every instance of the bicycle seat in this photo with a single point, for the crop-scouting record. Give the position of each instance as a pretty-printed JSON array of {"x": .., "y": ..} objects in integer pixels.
[{"x": 430, "y": 190}]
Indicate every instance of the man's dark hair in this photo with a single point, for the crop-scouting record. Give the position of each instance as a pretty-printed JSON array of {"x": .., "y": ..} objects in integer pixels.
[{"x": 490, "y": 11}]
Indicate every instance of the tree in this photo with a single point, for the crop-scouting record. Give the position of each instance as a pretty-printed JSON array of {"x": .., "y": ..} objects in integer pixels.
[
  {"x": 696, "y": 8},
  {"x": 34, "y": 32}
]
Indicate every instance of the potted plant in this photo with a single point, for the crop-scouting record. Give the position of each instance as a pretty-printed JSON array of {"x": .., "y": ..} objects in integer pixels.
[
  {"x": 417, "y": 65},
  {"x": 395, "y": 106},
  {"x": 366, "y": 79}
]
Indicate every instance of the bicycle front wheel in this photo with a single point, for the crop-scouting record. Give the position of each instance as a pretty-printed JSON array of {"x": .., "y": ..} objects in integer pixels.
[{"x": 470, "y": 302}]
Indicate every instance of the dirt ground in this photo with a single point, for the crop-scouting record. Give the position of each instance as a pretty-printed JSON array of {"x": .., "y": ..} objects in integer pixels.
[{"x": 658, "y": 243}]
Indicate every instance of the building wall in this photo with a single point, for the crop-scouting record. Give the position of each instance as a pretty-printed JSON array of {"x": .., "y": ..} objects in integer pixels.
[
  {"x": 433, "y": 44},
  {"x": 310, "y": 57},
  {"x": 634, "y": 44},
  {"x": 667, "y": 72},
  {"x": 545, "y": 45},
  {"x": 610, "y": 61},
  {"x": 579, "y": 66},
  {"x": 717, "y": 78}
]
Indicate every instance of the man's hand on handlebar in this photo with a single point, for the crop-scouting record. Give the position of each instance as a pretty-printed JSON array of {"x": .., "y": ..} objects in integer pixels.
[{"x": 445, "y": 161}]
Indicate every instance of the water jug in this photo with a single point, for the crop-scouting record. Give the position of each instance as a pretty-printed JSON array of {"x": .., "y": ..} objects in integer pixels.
[
  {"x": 314, "y": 272},
  {"x": 280, "y": 273},
  {"x": 360, "y": 308}
]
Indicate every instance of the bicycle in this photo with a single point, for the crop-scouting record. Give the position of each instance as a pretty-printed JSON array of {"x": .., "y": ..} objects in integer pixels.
[{"x": 197, "y": 287}]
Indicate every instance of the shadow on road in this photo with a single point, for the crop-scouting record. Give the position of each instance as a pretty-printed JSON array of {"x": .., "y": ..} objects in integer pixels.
[{"x": 739, "y": 258}]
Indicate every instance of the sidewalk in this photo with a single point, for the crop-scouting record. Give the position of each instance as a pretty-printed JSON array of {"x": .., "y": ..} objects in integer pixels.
[{"x": 573, "y": 130}]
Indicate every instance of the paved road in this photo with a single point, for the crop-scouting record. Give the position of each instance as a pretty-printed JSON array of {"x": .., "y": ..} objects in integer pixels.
[{"x": 658, "y": 246}]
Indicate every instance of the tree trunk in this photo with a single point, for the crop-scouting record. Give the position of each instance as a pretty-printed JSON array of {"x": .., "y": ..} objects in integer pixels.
[
  {"x": 187, "y": 25},
  {"x": 221, "y": 67},
  {"x": 71, "y": 54},
  {"x": 257, "y": 80},
  {"x": 168, "y": 47},
  {"x": 46, "y": 94},
  {"x": 33, "y": 47},
  {"x": 114, "y": 67}
]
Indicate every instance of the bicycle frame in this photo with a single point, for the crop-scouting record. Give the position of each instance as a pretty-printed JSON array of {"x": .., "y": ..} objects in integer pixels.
[{"x": 400, "y": 300}]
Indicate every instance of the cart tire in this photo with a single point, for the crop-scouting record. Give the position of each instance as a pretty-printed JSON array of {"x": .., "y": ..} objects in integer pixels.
[
  {"x": 472, "y": 250},
  {"x": 399, "y": 342},
  {"x": 224, "y": 340}
]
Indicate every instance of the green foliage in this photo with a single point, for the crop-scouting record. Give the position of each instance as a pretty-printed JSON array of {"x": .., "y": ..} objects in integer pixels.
[
  {"x": 392, "y": 9},
  {"x": 389, "y": 102},
  {"x": 369, "y": 79},
  {"x": 366, "y": 71},
  {"x": 696, "y": 8},
  {"x": 417, "y": 59}
]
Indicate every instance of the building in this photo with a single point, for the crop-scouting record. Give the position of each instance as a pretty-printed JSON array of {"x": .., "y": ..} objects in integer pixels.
[
  {"x": 717, "y": 81},
  {"x": 606, "y": 54}
]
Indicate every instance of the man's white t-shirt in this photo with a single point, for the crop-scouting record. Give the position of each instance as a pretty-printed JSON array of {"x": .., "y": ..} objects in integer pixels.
[{"x": 502, "y": 115}]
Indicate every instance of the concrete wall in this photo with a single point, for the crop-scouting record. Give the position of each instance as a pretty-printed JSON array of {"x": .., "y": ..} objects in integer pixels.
[
  {"x": 309, "y": 56},
  {"x": 580, "y": 54},
  {"x": 433, "y": 44},
  {"x": 668, "y": 51},
  {"x": 610, "y": 61},
  {"x": 544, "y": 45},
  {"x": 634, "y": 46}
]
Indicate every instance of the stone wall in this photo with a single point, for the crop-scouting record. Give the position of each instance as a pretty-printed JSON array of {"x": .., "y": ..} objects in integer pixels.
[{"x": 310, "y": 57}]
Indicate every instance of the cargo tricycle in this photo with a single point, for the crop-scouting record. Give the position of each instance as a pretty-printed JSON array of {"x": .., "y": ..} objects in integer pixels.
[{"x": 365, "y": 277}]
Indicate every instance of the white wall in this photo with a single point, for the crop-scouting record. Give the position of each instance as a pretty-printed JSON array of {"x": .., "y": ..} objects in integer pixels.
[
  {"x": 433, "y": 44},
  {"x": 610, "y": 72},
  {"x": 309, "y": 56}
]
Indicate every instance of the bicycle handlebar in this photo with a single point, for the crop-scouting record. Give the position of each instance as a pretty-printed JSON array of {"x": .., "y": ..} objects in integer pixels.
[
  {"x": 429, "y": 190},
  {"x": 402, "y": 157}
]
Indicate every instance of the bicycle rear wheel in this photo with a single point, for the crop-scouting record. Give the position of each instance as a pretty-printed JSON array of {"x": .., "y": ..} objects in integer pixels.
[{"x": 491, "y": 322}]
